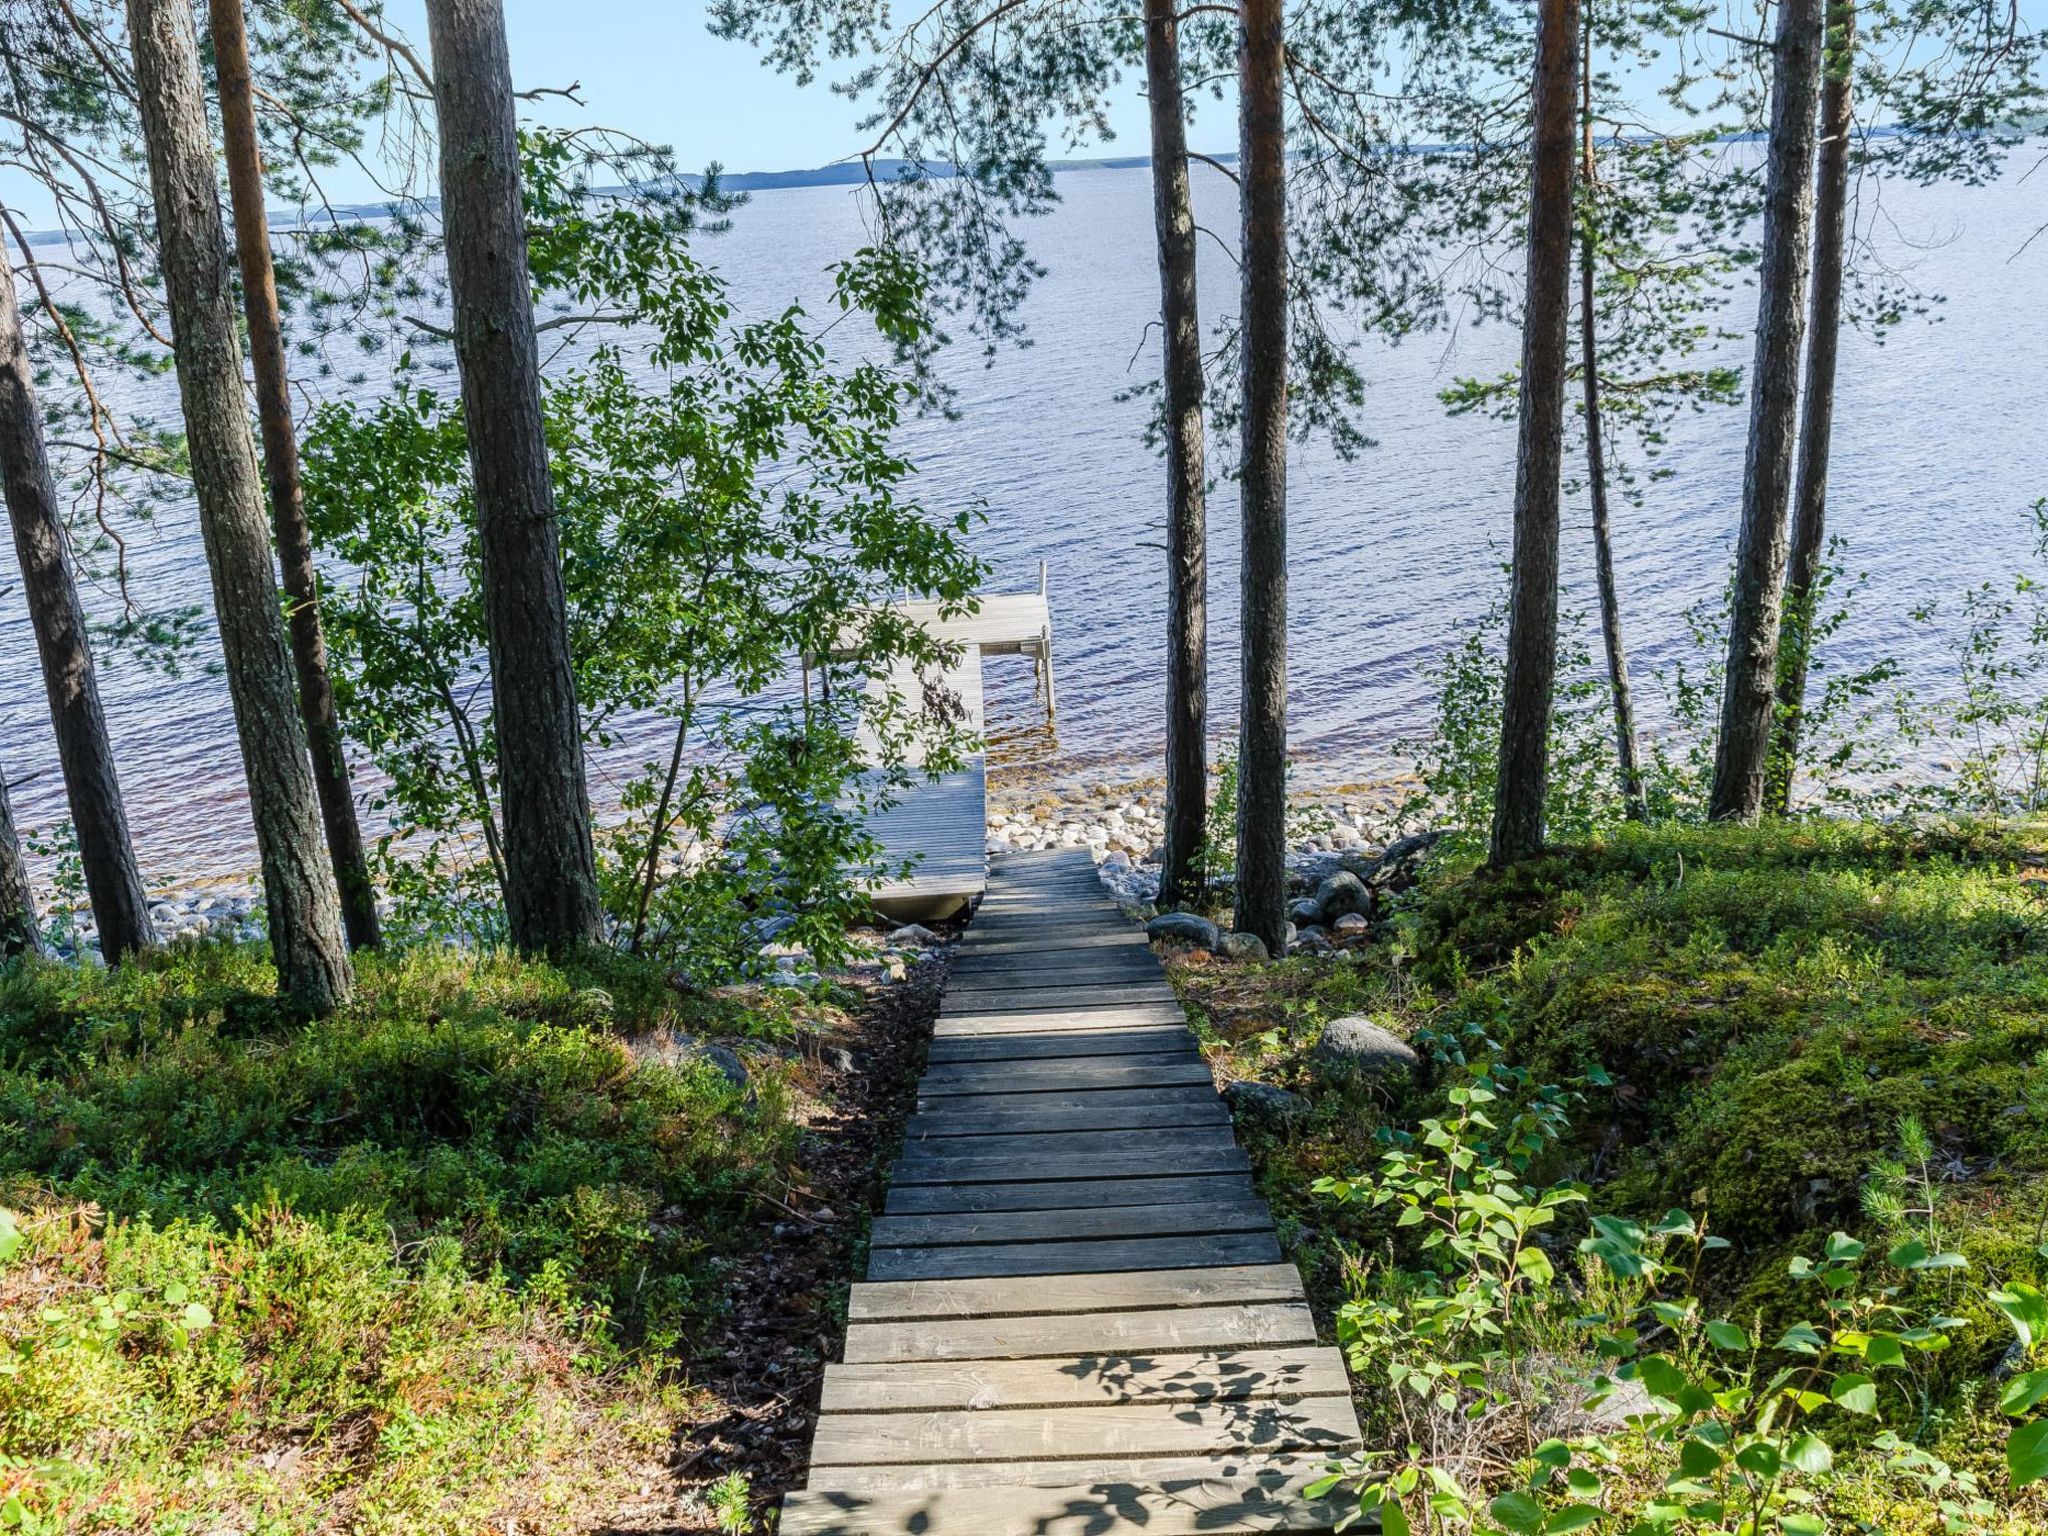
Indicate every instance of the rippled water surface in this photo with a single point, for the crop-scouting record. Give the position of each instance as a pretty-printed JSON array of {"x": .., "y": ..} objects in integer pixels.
[{"x": 1938, "y": 454}]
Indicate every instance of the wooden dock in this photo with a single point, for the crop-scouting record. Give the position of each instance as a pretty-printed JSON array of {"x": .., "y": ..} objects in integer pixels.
[
  {"x": 1076, "y": 1319},
  {"x": 942, "y": 823}
]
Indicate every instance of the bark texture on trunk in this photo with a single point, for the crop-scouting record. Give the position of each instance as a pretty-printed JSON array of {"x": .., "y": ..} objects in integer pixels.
[
  {"x": 1817, "y": 411},
  {"x": 551, "y": 895},
  {"x": 1262, "y": 729},
  {"x": 1523, "y": 779},
  {"x": 1626, "y": 752},
  {"x": 1187, "y": 553},
  {"x": 19, "y": 933},
  {"x": 298, "y": 886},
  {"x": 281, "y": 469},
  {"x": 1748, "y": 702},
  {"x": 113, "y": 883}
]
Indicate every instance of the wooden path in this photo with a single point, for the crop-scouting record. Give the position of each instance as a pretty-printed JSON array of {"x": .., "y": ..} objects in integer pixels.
[{"x": 1076, "y": 1320}]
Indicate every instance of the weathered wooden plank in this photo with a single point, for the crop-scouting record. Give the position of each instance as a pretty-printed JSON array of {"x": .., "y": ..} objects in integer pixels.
[
  {"x": 1130, "y": 1429},
  {"x": 1165, "y": 1329},
  {"x": 1187, "y": 1506},
  {"x": 1044, "y": 999},
  {"x": 1083, "y": 1474},
  {"x": 1057, "y": 1194},
  {"x": 973, "y": 985},
  {"x": 1066, "y": 1042},
  {"x": 1164, "y": 1069},
  {"x": 1073, "y": 1258},
  {"x": 1115, "y": 1016},
  {"x": 946, "y": 1123},
  {"x": 989, "y": 946},
  {"x": 1029, "y": 1146},
  {"x": 1057, "y": 961},
  {"x": 981, "y": 1385},
  {"x": 1053, "y": 1168},
  {"x": 1086, "y": 1222},
  {"x": 1130, "y": 1291}
]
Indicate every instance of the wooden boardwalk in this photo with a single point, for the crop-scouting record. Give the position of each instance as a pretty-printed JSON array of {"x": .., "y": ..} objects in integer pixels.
[
  {"x": 1076, "y": 1319},
  {"x": 943, "y": 823}
]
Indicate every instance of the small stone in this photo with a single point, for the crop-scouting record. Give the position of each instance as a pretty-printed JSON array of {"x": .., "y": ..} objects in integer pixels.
[
  {"x": 1356, "y": 1043},
  {"x": 1242, "y": 946},
  {"x": 1351, "y": 925},
  {"x": 1184, "y": 928},
  {"x": 913, "y": 933},
  {"x": 1342, "y": 894},
  {"x": 1264, "y": 1101},
  {"x": 838, "y": 1058}
]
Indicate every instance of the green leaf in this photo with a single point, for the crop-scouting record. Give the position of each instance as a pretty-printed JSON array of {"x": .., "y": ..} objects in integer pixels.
[
  {"x": 1518, "y": 1512},
  {"x": 1810, "y": 1454},
  {"x": 1661, "y": 1377},
  {"x": 2026, "y": 1308},
  {"x": 1573, "y": 1517},
  {"x": 1855, "y": 1392},
  {"x": 2022, "y": 1392},
  {"x": 2026, "y": 1453},
  {"x": 1393, "y": 1519},
  {"x": 11, "y": 1237},
  {"x": 1698, "y": 1459},
  {"x": 1794, "y": 1524},
  {"x": 1535, "y": 1263},
  {"x": 1759, "y": 1458},
  {"x": 1727, "y": 1336},
  {"x": 1913, "y": 1254},
  {"x": 1844, "y": 1249}
]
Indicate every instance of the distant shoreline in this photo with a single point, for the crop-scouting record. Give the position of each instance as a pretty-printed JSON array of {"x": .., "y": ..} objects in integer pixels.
[{"x": 853, "y": 173}]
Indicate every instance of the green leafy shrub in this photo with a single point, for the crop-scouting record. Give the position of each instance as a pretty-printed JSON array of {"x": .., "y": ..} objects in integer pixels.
[{"x": 1594, "y": 1374}]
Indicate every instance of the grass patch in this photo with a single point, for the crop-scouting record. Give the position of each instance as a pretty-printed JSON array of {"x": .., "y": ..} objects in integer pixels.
[{"x": 420, "y": 1264}]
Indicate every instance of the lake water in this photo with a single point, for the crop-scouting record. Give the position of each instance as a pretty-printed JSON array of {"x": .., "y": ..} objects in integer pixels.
[{"x": 1938, "y": 454}]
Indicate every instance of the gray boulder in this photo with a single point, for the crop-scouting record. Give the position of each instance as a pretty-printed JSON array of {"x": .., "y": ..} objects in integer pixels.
[
  {"x": 1242, "y": 946},
  {"x": 1264, "y": 1101},
  {"x": 1184, "y": 928},
  {"x": 1357, "y": 1044},
  {"x": 1396, "y": 869},
  {"x": 1342, "y": 895},
  {"x": 1305, "y": 911},
  {"x": 913, "y": 933},
  {"x": 674, "y": 1048}
]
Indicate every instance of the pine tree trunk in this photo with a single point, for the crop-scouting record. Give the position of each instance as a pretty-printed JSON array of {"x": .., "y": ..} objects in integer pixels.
[
  {"x": 281, "y": 470},
  {"x": 1523, "y": 779},
  {"x": 1817, "y": 411},
  {"x": 1748, "y": 702},
  {"x": 120, "y": 907},
  {"x": 1626, "y": 752},
  {"x": 1187, "y": 554},
  {"x": 19, "y": 932},
  {"x": 298, "y": 887},
  {"x": 1262, "y": 730},
  {"x": 551, "y": 876}
]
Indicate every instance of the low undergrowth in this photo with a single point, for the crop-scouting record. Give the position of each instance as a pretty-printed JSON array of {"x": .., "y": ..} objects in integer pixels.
[
  {"x": 429, "y": 1265},
  {"x": 1813, "y": 1055}
]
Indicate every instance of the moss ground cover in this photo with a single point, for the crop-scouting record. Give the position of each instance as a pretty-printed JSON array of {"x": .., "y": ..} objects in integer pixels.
[
  {"x": 435, "y": 1263},
  {"x": 1788, "y": 1032}
]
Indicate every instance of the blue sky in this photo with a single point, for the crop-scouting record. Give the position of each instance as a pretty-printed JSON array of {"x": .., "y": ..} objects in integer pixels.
[{"x": 651, "y": 67}]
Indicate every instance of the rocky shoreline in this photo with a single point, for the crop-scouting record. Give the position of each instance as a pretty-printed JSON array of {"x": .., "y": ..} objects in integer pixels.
[{"x": 1120, "y": 824}]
